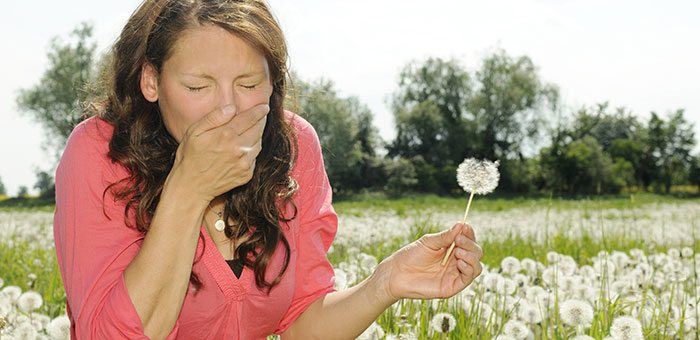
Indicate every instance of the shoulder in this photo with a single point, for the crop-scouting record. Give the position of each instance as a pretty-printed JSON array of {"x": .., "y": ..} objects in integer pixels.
[
  {"x": 299, "y": 124},
  {"x": 88, "y": 146},
  {"x": 307, "y": 137}
]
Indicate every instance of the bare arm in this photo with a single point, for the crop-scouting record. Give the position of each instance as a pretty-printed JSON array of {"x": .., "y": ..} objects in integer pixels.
[
  {"x": 343, "y": 314},
  {"x": 158, "y": 276}
]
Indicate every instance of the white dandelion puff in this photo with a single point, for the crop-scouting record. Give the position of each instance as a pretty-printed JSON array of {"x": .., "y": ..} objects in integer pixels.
[
  {"x": 625, "y": 327},
  {"x": 443, "y": 322},
  {"x": 12, "y": 292},
  {"x": 576, "y": 312},
  {"x": 29, "y": 301},
  {"x": 373, "y": 332},
  {"x": 516, "y": 329},
  {"x": 475, "y": 177},
  {"x": 59, "y": 328},
  {"x": 478, "y": 177}
]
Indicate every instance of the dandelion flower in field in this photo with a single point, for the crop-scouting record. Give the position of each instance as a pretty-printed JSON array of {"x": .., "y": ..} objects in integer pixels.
[
  {"x": 687, "y": 252},
  {"x": 510, "y": 265},
  {"x": 475, "y": 177},
  {"x": 373, "y": 332},
  {"x": 516, "y": 329},
  {"x": 583, "y": 337},
  {"x": 24, "y": 330},
  {"x": 576, "y": 312},
  {"x": 443, "y": 322},
  {"x": 340, "y": 280},
  {"x": 625, "y": 327},
  {"x": 504, "y": 337},
  {"x": 59, "y": 328},
  {"x": 529, "y": 313},
  {"x": 29, "y": 301},
  {"x": 12, "y": 292}
]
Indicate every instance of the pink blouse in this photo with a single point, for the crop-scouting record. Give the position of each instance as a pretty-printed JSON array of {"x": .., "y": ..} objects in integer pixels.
[{"x": 93, "y": 251}]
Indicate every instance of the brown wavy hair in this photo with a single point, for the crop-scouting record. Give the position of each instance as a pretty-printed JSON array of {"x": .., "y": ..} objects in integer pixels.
[{"x": 142, "y": 144}]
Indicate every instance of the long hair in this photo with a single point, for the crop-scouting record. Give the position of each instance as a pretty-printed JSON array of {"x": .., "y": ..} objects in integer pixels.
[{"x": 142, "y": 144}]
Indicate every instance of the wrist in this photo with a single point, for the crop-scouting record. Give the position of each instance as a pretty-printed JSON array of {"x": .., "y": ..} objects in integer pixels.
[
  {"x": 178, "y": 187},
  {"x": 380, "y": 281}
]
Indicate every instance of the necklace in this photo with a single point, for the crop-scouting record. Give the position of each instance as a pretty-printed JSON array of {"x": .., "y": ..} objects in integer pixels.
[{"x": 219, "y": 225}]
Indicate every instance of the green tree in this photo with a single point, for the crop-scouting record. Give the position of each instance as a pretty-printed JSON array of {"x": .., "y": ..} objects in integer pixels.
[
  {"x": 45, "y": 185},
  {"x": 430, "y": 107},
  {"x": 581, "y": 166},
  {"x": 402, "y": 177},
  {"x": 509, "y": 105},
  {"x": 694, "y": 173},
  {"x": 56, "y": 100},
  {"x": 345, "y": 130},
  {"x": 22, "y": 191},
  {"x": 671, "y": 143},
  {"x": 3, "y": 190}
]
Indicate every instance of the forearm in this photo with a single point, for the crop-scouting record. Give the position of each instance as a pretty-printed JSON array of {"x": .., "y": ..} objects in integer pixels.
[
  {"x": 344, "y": 314},
  {"x": 158, "y": 277}
]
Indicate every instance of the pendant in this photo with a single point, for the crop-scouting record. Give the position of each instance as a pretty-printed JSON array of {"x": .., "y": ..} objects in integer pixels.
[{"x": 219, "y": 225}]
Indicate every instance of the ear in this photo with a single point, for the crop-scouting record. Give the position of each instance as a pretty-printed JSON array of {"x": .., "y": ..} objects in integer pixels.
[{"x": 149, "y": 82}]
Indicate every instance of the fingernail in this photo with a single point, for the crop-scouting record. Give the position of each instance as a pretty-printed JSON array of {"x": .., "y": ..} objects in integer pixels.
[
  {"x": 229, "y": 110},
  {"x": 263, "y": 109}
]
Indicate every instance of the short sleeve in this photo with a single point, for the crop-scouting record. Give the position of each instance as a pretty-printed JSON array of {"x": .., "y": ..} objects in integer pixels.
[
  {"x": 318, "y": 225},
  {"x": 94, "y": 246}
]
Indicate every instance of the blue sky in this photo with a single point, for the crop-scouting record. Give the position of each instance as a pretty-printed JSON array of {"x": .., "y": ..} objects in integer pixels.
[{"x": 638, "y": 54}]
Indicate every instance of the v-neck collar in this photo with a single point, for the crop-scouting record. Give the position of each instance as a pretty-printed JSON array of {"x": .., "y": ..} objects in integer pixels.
[{"x": 233, "y": 288}]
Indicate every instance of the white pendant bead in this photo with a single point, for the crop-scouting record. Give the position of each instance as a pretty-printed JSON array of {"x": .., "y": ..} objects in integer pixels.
[{"x": 220, "y": 225}]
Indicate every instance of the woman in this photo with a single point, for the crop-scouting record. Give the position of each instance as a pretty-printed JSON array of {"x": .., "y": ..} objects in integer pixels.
[{"x": 190, "y": 161}]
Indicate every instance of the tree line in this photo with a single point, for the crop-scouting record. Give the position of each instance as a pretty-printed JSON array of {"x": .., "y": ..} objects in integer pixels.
[{"x": 443, "y": 113}]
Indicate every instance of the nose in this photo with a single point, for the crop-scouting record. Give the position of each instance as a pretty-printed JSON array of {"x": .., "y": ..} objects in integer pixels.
[{"x": 227, "y": 96}]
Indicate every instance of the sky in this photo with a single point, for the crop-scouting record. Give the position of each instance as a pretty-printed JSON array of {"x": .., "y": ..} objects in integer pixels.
[{"x": 638, "y": 54}]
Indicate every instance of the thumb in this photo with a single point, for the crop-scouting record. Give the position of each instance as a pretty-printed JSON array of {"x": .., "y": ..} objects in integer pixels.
[
  {"x": 214, "y": 119},
  {"x": 442, "y": 239}
]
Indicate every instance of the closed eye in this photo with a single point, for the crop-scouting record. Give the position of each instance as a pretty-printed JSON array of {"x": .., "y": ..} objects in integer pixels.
[{"x": 195, "y": 89}]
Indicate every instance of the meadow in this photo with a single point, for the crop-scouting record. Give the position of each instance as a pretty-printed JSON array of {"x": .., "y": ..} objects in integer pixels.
[{"x": 622, "y": 267}]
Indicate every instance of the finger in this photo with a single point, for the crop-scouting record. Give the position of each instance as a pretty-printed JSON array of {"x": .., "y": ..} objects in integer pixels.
[
  {"x": 468, "y": 231},
  {"x": 463, "y": 242},
  {"x": 250, "y": 152},
  {"x": 443, "y": 239},
  {"x": 469, "y": 265},
  {"x": 462, "y": 253},
  {"x": 250, "y": 118},
  {"x": 214, "y": 119}
]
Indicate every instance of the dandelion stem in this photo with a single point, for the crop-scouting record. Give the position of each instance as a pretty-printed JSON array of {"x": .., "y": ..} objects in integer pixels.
[
  {"x": 469, "y": 204},
  {"x": 464, "y": 220}
]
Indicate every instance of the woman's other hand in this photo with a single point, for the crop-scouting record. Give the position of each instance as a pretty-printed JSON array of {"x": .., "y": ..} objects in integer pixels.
[{"x": 415, "y": 272}]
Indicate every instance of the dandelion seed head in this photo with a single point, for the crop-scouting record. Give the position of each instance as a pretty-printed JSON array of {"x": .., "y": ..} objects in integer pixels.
[
  {"x": 576, "y": 312},
  {"x": 516, "y": 329},
  {"x": 29, "y": 301},
  {"x": 443, "y": 322},
  {"x": 59, "y": 328},
  {"x": 625, "y": 327},
  {"x": 478, "y": 177}
]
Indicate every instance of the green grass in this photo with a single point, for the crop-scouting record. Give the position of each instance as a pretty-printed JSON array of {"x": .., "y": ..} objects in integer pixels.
[
  {"x": 499, "y": 203},
  {"x": 21, "y": 259}
]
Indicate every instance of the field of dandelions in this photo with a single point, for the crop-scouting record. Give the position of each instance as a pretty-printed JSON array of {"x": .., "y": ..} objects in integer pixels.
[{"x": 616, "y": 268}]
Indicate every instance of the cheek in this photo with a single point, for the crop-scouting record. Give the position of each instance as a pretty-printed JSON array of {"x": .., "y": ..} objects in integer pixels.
[
  {"x": 180, "y": 110},
  {"x": 250, "y": 99}
]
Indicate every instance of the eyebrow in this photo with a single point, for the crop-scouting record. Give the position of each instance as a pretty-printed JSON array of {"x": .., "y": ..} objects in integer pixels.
[{"x": 206, "y": 76}]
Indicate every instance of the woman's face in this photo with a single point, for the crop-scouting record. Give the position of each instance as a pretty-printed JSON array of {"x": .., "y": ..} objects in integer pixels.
[{"x": 210, "y": 67}]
